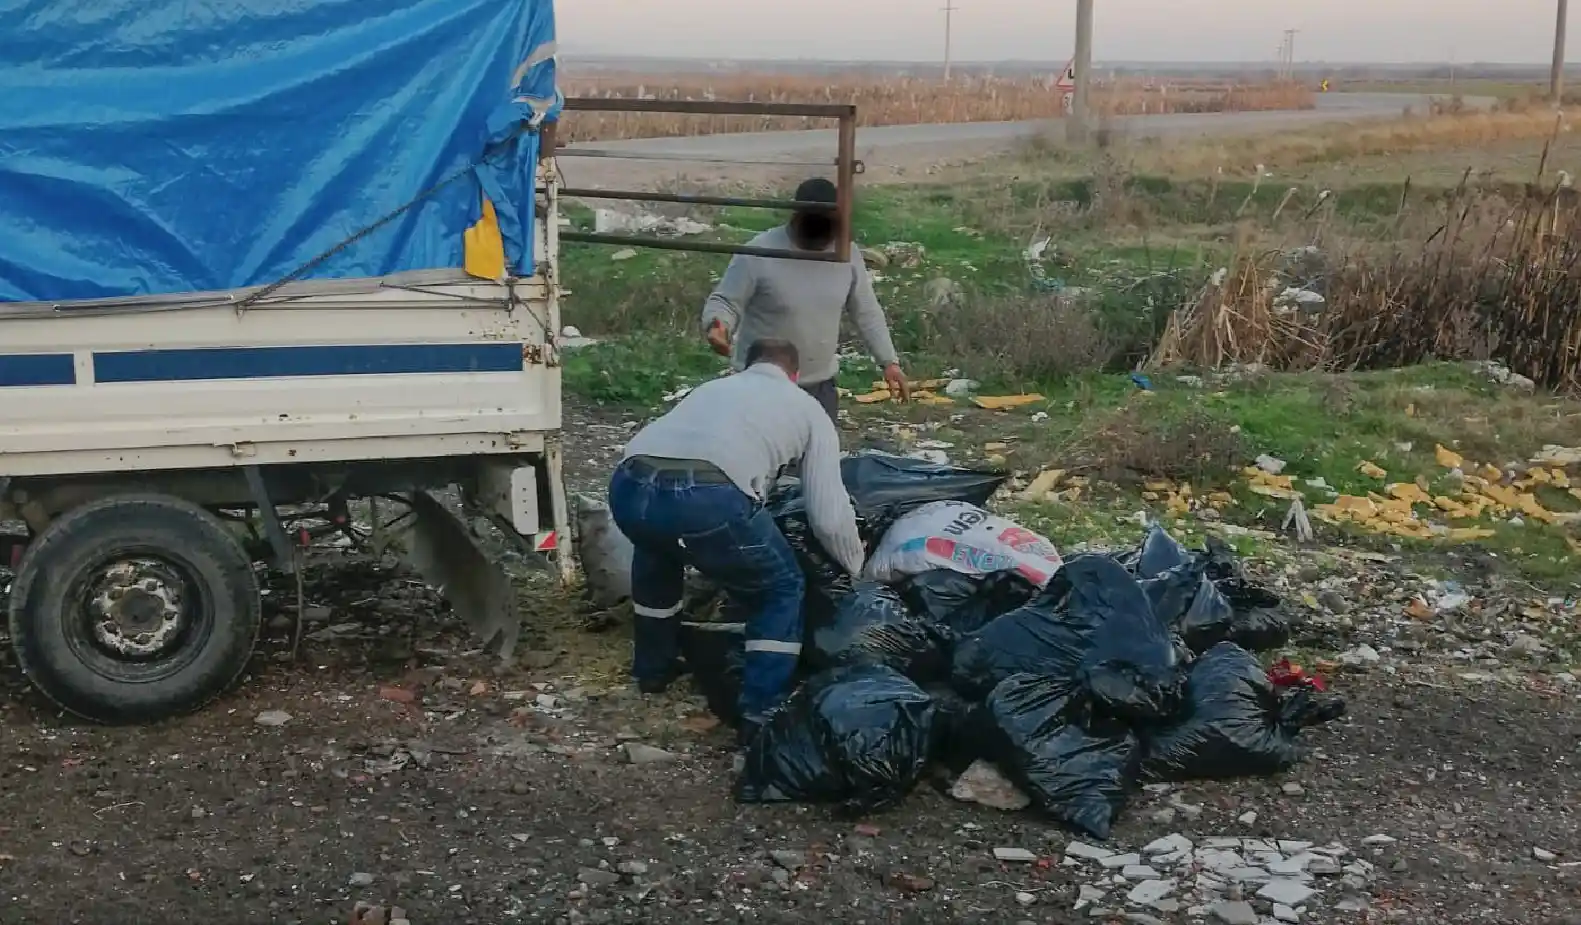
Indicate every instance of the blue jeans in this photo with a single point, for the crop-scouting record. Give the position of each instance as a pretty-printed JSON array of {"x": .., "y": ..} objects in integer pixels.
[{"x": 717, "y": 529}]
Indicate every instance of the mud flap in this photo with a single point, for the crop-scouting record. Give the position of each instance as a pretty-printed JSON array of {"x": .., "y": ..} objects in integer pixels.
[{"x": 443, "y": 551}]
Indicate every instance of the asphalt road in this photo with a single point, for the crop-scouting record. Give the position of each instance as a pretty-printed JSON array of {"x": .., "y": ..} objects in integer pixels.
[{"x": 886, "y": 143}]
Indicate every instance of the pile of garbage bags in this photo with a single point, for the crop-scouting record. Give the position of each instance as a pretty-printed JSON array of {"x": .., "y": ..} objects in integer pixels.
[{"x": 1078, "y": 679}]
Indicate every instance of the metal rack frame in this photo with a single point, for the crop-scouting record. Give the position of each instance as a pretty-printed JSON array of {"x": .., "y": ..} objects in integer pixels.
[{"x": 845, "y": 164}]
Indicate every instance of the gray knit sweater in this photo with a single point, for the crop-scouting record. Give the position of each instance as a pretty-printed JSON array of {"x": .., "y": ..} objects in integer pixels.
[{"x": 800, "y": 301}]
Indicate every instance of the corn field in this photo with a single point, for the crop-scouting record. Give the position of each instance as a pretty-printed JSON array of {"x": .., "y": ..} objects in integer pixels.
[{"x": 894, "y": 101}]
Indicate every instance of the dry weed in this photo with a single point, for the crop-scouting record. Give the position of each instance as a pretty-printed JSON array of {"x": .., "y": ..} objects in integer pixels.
[
  {"x": 1337, "y": 143},
  {"x": 893, "y": 101},
  {"x": 1025, "y": 338},
  {"x": 1136, "y": 442}
]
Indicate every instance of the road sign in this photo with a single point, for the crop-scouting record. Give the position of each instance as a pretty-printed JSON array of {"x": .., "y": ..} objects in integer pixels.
[
  {"x": 1068, "y": 100},
  {"x": 1067, "y": 78}
]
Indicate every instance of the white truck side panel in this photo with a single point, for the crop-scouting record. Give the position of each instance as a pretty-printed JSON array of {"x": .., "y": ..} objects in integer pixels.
[
  {"x": 209, "y": 386},
  {"x": 420, "y": 365}
]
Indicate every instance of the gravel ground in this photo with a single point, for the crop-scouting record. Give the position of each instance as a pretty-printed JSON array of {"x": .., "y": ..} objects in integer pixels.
[{"x": 389, "y": 765}]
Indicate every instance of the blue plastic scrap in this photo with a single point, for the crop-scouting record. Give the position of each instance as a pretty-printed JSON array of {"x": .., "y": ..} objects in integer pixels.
[{"x": 158, "y": 146}]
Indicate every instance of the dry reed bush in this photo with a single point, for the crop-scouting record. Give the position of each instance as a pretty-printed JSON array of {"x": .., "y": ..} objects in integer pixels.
[
  {"x": 1496, "y": 279},
  {"x": 893, "y": 101}
]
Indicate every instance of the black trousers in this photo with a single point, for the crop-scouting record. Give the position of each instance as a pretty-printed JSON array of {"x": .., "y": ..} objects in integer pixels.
[{"x": 828, "y": 395}]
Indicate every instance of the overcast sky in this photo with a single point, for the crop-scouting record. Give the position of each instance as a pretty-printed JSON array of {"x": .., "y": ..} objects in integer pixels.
[{"x": 1157, "y": 30}]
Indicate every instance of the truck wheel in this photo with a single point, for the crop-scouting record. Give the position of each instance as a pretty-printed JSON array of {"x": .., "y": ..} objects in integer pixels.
[{"x": 134, "y": 608}]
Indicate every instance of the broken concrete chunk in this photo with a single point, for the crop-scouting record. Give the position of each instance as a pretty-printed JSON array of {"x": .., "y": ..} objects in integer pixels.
[
  {"x": 1078, "y": 849},
  {"x": 1234, "y": 913},
  {"x": 1287, "y": 892},
  {"x": 983, "y": 784},
  {"x": 1169, "y": 844},
  {"x": 1014, "y": 855},
  {"x": 1149, "y": 892}
]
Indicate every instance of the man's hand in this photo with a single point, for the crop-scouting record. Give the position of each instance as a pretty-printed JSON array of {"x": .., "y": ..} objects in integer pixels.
[
  {"x": 899, "y": 388},
  {"x": 719, "y": 338}
]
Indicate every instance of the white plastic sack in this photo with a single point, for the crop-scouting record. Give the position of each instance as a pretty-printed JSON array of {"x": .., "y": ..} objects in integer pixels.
[
  {"x": 962, "y": 537},
  {"x": 605, "y": 553}
]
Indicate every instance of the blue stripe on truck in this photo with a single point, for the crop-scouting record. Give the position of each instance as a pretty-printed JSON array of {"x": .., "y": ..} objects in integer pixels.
[
  {"x": 278, "y": 362},
  {"x": 23, "y": 369}
]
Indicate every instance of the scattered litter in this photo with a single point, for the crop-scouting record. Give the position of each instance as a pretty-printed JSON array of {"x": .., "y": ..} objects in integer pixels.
[
  {"x": 1006, "y": 402},
  {"x": 625, "y": 253},
  {"x": 1014, "y": 855},
  {"x": 1044, "y": 483},
  {"x": 612, "y": 221},
  {"x": 273, "y": 718}
]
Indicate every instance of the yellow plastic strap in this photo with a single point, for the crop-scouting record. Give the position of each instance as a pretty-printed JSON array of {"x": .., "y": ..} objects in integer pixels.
[{"x": 485, "y": 246}]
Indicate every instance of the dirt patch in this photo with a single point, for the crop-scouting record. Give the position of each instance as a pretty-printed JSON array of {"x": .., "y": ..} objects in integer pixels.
[{"x": 469, "y": 793}]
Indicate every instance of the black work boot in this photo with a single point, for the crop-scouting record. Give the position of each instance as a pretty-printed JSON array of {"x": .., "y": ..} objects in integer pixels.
[{"x": 662, "y": 683}]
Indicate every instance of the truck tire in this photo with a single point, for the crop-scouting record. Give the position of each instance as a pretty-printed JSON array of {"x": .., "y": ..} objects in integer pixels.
[{"x": 134, "y": 608}]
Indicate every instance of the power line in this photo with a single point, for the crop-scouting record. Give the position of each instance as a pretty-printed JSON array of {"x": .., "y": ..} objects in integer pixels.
[{"x": 949, "y": 10}]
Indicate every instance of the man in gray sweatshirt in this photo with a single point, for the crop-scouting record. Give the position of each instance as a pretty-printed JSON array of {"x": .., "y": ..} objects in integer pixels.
[
  {"x": 801, "y": 301},
  {"x": 691, "y": 491}
]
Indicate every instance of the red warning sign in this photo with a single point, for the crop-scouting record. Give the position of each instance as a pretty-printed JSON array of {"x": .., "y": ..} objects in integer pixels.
[{"x": 1067, "y": 78}]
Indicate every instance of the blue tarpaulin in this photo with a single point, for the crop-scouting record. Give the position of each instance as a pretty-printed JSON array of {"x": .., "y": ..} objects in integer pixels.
[{"x": 163, "y": 146}]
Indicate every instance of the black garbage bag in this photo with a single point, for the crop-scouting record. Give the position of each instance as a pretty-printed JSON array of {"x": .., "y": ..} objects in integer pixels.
[
  {"x": 1237, "y": 723},
  {"x": 1260, "y": 623},
  {"x": 859, "y": 736},
  {"x": 826, "y": 582},
  {"x": 715, "y": 652},
  {"x": 1092, "y": 621},
  {"x": 872, "y": 626},
  {"x": 1205, "y": 598},
  {"x": 1159, "y": 553},
  {"x": 1132, "y": 670},
  {"x": 1039, "y": 638},
  {"x": 884, "y": 488},
  {"x": 955, "y": 744},
  {"x": 965, "y": 603},
  {"x": 1078, "y": 765}
]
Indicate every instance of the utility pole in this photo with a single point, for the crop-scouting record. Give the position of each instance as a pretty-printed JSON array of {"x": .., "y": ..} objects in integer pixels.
[
  {"x": 1556, "y": 80},
  {"x": 949, "y": 11},
  {"x": 1289, "y": 63},
  {"x": 1081, "y": 108}
]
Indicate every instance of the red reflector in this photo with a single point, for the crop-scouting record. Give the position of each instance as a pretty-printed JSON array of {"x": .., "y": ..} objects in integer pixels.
[{"x": 548, "y": 542}]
